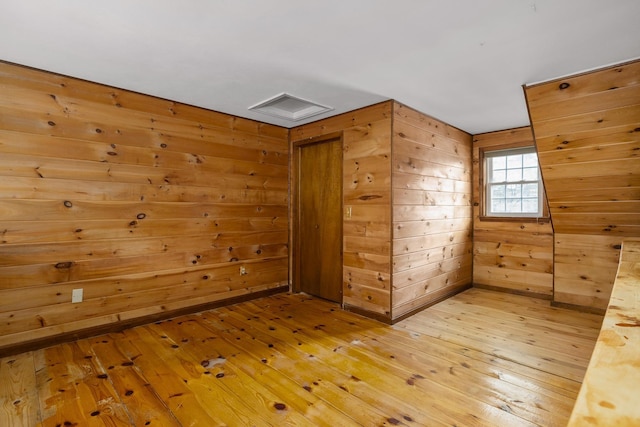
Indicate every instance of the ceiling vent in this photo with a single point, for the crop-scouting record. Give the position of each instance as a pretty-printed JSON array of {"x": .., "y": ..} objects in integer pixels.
[{"x": 289, "y": 107}]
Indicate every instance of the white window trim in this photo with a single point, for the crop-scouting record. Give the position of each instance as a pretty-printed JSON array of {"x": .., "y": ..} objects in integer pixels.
[{"x": 487, "y": 185}]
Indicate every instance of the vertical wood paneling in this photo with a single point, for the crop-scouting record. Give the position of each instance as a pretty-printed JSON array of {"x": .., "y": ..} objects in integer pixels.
[
  {"x": 515, "y": 256},
  {"x": 432, "y": 223},
  {"x": 367, "y": 195},
  {"x": 587, "y": 130},
  {"x": 146, "y": 204}
]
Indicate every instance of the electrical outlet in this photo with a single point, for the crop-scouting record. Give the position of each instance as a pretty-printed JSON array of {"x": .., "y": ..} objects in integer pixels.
[
  {"x": 243, "y": 270},
  {"x": 76, "y": 295}
]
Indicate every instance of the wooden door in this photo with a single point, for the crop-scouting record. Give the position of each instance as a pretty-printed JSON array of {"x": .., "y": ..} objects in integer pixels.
[{"x": 319, "y": 227}]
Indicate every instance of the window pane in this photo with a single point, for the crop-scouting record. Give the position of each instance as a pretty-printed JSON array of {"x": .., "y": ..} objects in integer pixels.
[
  {"x": 499, "y": 162},
  {"x": 499, "y": 176},
  {"x": 514, "y": 161},
  {"x": 514, "y": 190},
  {"x": 498, "y": 206},
  {"x": 530, "y": 190},
  {"x": 530, "y": 174},
  {"x": 514, "y": 175},
  {"x": 530, "y": 160},
  {"x": 513, "y": 183},
  {"x": 514, "y": 205},
  {"x": 530, "y": 205},
  {"x": 498, "y": 192}
]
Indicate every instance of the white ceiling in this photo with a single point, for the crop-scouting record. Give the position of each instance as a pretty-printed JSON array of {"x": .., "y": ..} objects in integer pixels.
[{"x": 461, "y": 61}]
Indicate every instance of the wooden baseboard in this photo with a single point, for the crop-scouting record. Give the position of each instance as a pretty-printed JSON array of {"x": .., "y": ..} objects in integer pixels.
[
  {"x": 513, "y": 291},
  {"x": 366, "y": 313},
  {"x": 119, "y": 326},
  {"x": 438, "y": 297},
  {"x": 580, "y": 308},
  {"x": 575, "y": 307}
]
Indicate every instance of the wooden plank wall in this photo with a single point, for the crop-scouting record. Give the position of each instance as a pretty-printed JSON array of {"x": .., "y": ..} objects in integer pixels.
[
  {"x": 432, "y": 225},
  {"x": 516, "y": 256},
  {"x": 367, "y": 192},
  {"x": 587, "y": 130},
  {"x": 147, "y": 205},
  {"x": 585, "y": 267}
]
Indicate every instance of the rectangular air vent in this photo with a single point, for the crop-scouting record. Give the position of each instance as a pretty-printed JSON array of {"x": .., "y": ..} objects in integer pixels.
[{"x": 289, "y": 107}]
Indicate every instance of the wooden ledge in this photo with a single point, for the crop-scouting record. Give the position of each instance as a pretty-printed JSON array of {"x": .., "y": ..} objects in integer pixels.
[{"x": 609, "y": 392}]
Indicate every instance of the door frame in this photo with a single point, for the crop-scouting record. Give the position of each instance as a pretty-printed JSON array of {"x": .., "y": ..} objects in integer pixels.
[{"x": 296, "y": 147}]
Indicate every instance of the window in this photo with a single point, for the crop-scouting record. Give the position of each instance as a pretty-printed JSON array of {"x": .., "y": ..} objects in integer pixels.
[{"x": 513, "y": 187}]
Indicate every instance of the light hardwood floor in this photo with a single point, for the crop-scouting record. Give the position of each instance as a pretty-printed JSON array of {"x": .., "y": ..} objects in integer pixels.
[{"x": 481, "y": 358}]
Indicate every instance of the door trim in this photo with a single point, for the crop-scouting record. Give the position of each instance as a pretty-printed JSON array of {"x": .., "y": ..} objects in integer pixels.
[{"x": 295, "y": 210}]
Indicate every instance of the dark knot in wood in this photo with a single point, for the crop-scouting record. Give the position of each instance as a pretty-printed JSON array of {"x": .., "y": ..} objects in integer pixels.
[
  {"x": 66, "y": 264},
  {"x": 369, "y": 197}
]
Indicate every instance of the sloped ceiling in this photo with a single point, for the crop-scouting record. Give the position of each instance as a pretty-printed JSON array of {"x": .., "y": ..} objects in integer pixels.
[
  {"x": 462, "y": 61},
  {"x": 587, "y": 130}
]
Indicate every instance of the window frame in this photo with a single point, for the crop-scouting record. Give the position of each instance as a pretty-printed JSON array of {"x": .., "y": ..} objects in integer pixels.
[{"x": 489, "y": 152}]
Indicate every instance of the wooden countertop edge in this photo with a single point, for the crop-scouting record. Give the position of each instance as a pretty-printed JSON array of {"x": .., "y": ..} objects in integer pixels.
[{"x": 610, "y": 389}]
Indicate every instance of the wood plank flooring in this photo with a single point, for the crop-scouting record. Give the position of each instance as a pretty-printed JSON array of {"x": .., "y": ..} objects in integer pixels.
[{"x": 481, "y": 358}]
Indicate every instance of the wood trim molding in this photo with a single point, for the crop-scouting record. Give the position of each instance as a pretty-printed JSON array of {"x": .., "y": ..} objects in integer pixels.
[
  {"x": 294, "y": 178},
  {"x": 317, "y": 139},
  {"x": 438, "y": 298},
  {"x": 366, "y": 313},
  {"x": 513, "y": 291},
  {"x": 482, "y": 196},
  {"x": 580, "y": 308},
  {"x": 536, "y": 220}
]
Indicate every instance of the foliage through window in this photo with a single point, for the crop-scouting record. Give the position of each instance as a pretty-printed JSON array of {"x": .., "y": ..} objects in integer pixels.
[{"x": 513, "y": 187}]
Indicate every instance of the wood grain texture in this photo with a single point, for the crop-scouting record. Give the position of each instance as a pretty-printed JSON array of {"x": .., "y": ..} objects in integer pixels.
[
  {"x": 608, "y": 394},
  {"x": 319, "y": 222},
  {"x": 587, "y": 130},
  {"x": 516, "y": 256},
  {"x": 403, "y": 169},
  {"x": 19, "y": 405},
  {"x": 432, "y": 225},
  {"x": 480, "y": 358},
  {"x": 584, "y": 268},
  {"x": 146, "y": 204},
  {"x": 366, "y": 135}
]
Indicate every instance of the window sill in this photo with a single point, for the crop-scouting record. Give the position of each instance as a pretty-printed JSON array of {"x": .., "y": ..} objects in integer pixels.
[{"x": 528, "y": 219}]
